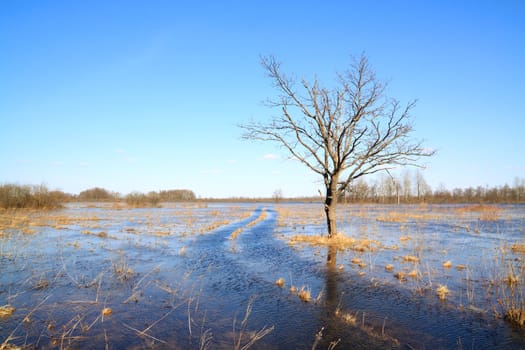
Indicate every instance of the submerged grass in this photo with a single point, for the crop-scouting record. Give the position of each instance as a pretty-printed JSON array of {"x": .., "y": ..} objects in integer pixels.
[{"x": 339, "y": 241}]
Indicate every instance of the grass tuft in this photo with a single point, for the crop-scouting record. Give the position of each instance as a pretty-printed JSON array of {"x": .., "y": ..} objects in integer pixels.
[
  {"x": 6, "y": 311},
  {"x": 516, "y": 315},
  {"x": 410, "y": 258},
  {"x": 304, "y": 295},
  {"x": 518, "y": 247},
  {"x": 442, "y": 292}
]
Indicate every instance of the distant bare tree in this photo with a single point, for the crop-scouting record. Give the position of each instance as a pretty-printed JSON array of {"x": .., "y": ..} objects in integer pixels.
[
  {"x": 341, "y": 134},
  {"x": 277, "y": 195}
]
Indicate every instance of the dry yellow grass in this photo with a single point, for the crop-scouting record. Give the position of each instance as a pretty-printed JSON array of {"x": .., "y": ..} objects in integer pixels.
[
  {"x": 486, "y": 212},
  {"x": 236, "y": 233},
  {"x": 516, "y": 316},
  {"x": 410, "y": 258},
  {"x": 6, "y": 310},
  {"x": 389, "y": 267},
  {"x": 460, "y": 267},
  {"x": 304, "y": 294},
  {"x": 260, "y": 218},
  {"x": 395, "y": 216},
  {"x": 107, "y": 311},
  {"x": 340, "y": 241},
  {"x": 401, "y": 276},
  {"x": 280, "y": 282},
  {"x": 518, "y": 247},
  {"x": 442, "y": 292},
  {"x": 447, "y": 264}
]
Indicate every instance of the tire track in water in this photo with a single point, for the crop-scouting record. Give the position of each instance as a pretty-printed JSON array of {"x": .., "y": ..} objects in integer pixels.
[{"x": 235, "y": 270}]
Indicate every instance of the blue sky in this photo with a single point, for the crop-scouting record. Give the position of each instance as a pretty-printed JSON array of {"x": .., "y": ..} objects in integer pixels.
[{"x": 147, "y": 95}]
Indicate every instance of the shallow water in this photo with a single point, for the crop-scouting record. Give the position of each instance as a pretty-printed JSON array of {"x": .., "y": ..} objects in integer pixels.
[{"x": 172, "y": 283}]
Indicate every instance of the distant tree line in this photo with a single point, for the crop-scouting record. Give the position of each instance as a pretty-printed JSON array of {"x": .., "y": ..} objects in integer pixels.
[
  {"x": 100, "y": 195},
  {"x": 39, "y": 197},
  {"x": 412, "y": 188},
  {"x": 26, "y": 196}
]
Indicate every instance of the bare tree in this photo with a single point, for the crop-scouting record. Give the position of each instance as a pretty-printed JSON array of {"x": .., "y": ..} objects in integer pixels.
[{"x": 341, "y": 134}]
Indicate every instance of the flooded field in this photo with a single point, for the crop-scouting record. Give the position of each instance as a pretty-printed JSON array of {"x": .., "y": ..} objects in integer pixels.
[{"x": 238, "y": 276}]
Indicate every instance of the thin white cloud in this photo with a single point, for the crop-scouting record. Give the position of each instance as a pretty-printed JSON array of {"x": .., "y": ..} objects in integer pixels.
[
  {"x": 83, "y": 164},
  {"x": 57, "y": 163},
  {"x": 271, "y": 156},
  {"x": 232, "y": 161}
]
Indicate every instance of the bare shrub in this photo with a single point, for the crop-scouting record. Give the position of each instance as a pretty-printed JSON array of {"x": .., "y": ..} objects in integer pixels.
[
  {"x": 141, "y": 200},
  {"x": 35, "y": 197}
]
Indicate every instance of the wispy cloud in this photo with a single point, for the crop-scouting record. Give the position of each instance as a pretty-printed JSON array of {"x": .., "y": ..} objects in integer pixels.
[
  {"x": 57, "y": 163},
  {"x": 123, "y": 154},
  {"x": 83, "y": 164},
  {"x": 271, "y": 156}
]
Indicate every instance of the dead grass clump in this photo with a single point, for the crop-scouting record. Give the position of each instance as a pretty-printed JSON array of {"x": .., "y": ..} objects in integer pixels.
[
  {"x": 401, "y": 276},
  {"x": 347, "y": 317},
  {"x": 511, "y": 279},
  {"x": 460, "y": 267},
  {"x": 518, "y": 247},
  {"x": 442, "y": 292},
  {"x": 486, "y": 212},
  {"x": 339, "y": 241},
  {"x": 260, "y": 218},
  {"x": 41, "y": 284},
  {"x": 412, "y": 274},
  {"x": 214, "y": 226},
  {"x": 123, "y": 271},
  {"x": 389, "y": 267},
  {"x": 479, "y": 208},
  {"x": 280, "y": 282},
  {"x": 102, "y": 234},
  {"x": 6, "y": 311},
  {"x": 395, "y": 216},
  {"x": 516, "y": 315},
  {"x": 236, "y": 233},
  {"x": 356, "y": 261},
  {"x": 107, "y": 311},
  {"x": 447, "y": 264},
  {"x": 304, "y": 294},
  {"x": 410, "y": 258}
]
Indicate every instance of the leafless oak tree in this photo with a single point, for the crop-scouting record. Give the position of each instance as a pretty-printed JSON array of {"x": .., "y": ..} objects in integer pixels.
[{"x": 341, "y": 134}]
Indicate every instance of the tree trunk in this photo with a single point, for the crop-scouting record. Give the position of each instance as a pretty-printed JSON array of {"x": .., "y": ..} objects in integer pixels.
[{"x": 329, "y": 209}]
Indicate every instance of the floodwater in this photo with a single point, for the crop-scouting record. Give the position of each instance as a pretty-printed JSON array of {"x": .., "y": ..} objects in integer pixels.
[{"x": 99, "y": 276}]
